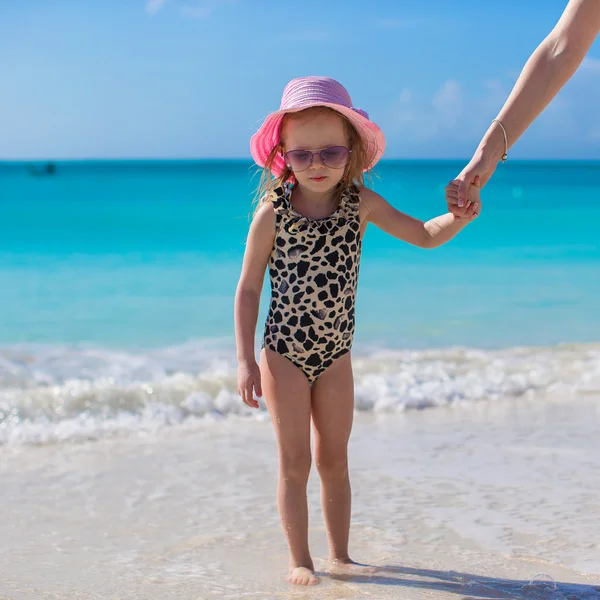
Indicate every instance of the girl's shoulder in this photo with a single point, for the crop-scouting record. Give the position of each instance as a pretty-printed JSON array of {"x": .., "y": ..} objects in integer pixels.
[
  {"x": 363, "y": 191},
  {"x": 369, "y": 201},
  {"x": 263, "y": 220},
  {"x": 366, "y": 194},
  {"x": 265, "y": 210}
]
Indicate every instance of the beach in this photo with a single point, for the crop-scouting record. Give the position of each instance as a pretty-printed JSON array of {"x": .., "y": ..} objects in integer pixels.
[
  {"x": 450, "y": 503},
  {"x": 130, "y": 468}
]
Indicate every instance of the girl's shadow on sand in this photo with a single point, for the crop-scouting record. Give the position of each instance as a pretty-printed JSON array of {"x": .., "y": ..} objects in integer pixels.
[{"x": 474, "y": 587}]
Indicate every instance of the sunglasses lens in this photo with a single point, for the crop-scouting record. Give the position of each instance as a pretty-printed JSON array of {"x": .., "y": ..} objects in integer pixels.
[
  {"x": 335, "y": 157},
  {"x": 299, "y": 160}
]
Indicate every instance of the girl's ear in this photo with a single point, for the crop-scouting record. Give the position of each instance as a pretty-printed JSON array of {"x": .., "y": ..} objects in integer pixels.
[{"x": 281, "y": 151}]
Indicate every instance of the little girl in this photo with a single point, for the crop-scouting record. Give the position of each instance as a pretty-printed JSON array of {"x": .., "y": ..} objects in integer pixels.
[{"x": 308, "y": 230}]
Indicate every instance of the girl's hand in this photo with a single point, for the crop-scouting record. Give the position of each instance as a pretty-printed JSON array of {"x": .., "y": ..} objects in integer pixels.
[
  {"x": 473, "y": 199},
  {"x": 248, "y": 380}
]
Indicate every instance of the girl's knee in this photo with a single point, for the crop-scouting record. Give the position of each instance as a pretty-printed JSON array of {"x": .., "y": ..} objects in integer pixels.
[
  {"x": 295, "y": 465},
  {"x": 332, "y": 467}
]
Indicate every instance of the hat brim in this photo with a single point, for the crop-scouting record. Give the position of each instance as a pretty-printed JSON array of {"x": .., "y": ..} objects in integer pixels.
[{"x": 268, "y": 137}]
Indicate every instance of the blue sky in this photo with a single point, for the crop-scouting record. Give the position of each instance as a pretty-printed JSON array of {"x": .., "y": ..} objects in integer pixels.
[{"x": 194, "y": 78}]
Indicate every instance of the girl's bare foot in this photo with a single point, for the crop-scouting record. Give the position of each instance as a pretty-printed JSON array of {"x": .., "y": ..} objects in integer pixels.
[
  {"x": 347, "y": 565},
  {"x": 302, "y": 576}
]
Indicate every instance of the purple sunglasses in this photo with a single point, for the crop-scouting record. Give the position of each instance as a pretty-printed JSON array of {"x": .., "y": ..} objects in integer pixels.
[{"x": 334, "y": 157}]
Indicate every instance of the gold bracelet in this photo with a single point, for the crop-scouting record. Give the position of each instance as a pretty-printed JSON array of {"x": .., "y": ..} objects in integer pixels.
[{"x": 505, "y": 155}]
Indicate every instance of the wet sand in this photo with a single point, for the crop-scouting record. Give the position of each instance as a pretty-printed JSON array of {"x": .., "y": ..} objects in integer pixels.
[{"x": 467, "y": 502}]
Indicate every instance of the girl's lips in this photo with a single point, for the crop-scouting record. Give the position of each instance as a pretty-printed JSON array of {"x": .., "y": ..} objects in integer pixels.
[{"x": 318, "y": 178}]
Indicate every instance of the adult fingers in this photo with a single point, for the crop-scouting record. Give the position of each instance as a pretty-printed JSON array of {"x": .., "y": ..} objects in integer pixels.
[
  {"x": 463, "y": 187},
  {"x": 452, "y": 185}
]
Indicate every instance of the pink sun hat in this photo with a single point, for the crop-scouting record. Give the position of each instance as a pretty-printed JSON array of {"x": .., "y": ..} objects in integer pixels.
[{"x": 305, "y": 92}]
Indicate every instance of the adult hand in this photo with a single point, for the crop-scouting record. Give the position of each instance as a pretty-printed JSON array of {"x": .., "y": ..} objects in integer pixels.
[
  {"x": 480, "y": 167},
  {"x": 473, "y": 197}
]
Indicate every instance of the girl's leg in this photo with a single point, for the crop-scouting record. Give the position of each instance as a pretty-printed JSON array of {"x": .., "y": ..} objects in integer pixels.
[
  {"x": 332, "y": 414},
  {"x": 287, "y": 395}
]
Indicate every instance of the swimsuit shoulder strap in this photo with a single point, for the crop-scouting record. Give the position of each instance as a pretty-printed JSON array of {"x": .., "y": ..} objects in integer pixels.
[{"x": 351, "y": 200}]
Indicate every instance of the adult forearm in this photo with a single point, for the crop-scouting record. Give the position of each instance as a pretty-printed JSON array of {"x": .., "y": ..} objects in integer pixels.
[
  {"x": 548, "y": 69},
  {"x": 245, "y": 317},
  {"x": 545, "y": 73}
]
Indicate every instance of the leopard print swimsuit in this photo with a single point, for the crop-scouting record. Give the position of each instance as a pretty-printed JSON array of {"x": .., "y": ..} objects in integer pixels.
[{"x": 313, "y": 269}]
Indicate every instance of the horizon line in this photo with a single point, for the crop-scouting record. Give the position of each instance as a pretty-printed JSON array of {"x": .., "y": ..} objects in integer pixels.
[{"x": 45, "y": 160}]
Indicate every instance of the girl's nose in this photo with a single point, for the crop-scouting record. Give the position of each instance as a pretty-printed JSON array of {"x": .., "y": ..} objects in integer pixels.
[{"x": 317, "y": 163}]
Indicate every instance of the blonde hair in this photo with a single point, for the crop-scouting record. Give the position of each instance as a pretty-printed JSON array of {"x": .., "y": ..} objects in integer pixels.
[{"x": 353, "y": 172}]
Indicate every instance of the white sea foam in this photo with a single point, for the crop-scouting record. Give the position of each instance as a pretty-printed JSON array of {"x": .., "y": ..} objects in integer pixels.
[{"x": 56, "y": 393}]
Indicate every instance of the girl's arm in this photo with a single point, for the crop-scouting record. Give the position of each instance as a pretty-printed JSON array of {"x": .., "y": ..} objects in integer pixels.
[
  {"x": 548, "y": 69},
  {"x": 429, "y": 234},
  {"x": 247, "y": 299}
]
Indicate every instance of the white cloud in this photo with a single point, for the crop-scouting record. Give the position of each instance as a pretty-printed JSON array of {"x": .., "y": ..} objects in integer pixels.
[
  {"x": 457, "y": 114},
  {"x": 451, "y": 112},
  {"x": 405, "y": 96},
  {"x": 153, "y": 6},
  {"x": 195, "y": 9},
  {"x": 558, "y": 121},
  {"x": 424, "y": 119},
  {"x": 590, "y": 65},
  {"x": 448, "y": 103},
  {"x": 494, "y": 85}
]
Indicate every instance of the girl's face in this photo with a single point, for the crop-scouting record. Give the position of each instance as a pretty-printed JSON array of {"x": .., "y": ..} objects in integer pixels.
[{"x": 315, "y": 133}]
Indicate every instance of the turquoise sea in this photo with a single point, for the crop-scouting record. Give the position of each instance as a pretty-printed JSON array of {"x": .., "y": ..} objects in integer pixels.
[{"x": 123, "y": 274}]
